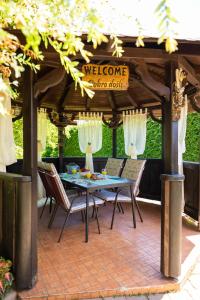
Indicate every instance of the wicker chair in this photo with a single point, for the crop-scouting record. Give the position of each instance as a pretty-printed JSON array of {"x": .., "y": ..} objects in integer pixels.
[
  {"x": 133, "y": 170},
  {"x": 70, "y": 203}
]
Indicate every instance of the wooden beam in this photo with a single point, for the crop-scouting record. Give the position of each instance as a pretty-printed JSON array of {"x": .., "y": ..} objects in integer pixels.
[
  {"x": 192, "y": 76},
  {"x": 158, "y": 87},
  {"x": 29, "y": 252},
  {"x": 147, "y": 89},
  {"x": 111, "y": 99},
  {"x": 87, "y": 102},
  {"x": 61, "y": 139},
  {"x": 114, "y": 142},
  {"x": 64, "y": 95},
  {"x": 172, "y": 188},
  {"x": 50, "y": 79},
  {"x": 170, "y": 128},
  {"x": 109, "y": 46},
  {"x": 195, "y": 103},
  {"x": 131, "y": 100},
  {"x": 129, "y": 53}
]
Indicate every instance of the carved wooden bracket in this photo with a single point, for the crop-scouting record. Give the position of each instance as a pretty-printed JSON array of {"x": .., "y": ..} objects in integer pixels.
[
  {"x": 113, "y": 122},
  {"x": 154, "y": 118},
  {"x": 178, "y": 97},
  {"x": 17, "y": 117},
  {"x": 60, "y": 119}
]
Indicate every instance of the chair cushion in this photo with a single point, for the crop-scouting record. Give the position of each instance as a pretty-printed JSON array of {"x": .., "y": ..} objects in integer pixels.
[
  {"x": 110, "y": 196},
  {"x": 79, "y": 203},
  {"x": 49, "y": 167}
]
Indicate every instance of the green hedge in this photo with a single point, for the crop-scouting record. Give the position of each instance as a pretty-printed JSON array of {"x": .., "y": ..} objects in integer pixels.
[
  {"x": 153, "y": 144},
  {"x": 192, "y": 152},
  {"x": 71, "y": 147}
]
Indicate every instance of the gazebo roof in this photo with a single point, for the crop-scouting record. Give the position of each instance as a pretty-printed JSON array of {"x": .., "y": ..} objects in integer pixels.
[{"x": 148, "y": 85}]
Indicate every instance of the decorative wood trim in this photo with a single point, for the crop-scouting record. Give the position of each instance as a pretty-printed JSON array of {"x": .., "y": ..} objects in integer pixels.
[
  {"x": 195, "y": 103},
  {"x": 154, "y": 118},
  {"x": 60, "y": 119},
  {"x": 177, "y": 96},
  {"x": 17, "y": 118},
  {"x": 114, "y": 121}
]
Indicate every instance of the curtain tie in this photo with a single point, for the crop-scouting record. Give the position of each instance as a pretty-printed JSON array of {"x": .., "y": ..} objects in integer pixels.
[
  {"x": 88, "y": 148},
  {"x": 132, "y": 151}
]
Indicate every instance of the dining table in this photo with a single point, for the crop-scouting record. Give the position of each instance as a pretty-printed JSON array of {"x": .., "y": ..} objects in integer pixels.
[{"x": 89, "y": 186}]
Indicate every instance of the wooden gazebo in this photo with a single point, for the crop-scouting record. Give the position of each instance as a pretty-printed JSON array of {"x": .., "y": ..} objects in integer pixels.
[{"x": 152, "y": 87}]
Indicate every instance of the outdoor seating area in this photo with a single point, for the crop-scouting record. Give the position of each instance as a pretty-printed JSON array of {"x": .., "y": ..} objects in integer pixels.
[
  {"x": 82, "y": 231},
  {"x": 121, "y": 261},
  {"x": 92, "y": 191}
]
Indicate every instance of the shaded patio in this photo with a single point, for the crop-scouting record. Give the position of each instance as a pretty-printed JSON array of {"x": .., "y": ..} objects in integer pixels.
[
  {"x": 121, "y": 261},
  {"x": 73, "y": 267}
]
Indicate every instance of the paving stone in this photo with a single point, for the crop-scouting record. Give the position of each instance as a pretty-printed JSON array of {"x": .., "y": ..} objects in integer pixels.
[
  {"x": 158, "y": 297},
  {"x": 139, "y": 297},
  {"x": 115, "y": 298}
]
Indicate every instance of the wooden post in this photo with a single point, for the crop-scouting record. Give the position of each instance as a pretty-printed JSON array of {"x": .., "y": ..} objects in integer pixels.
[
  {"x": 29, "y": 252},
  {"x": 61, "y": 138},
  {"x": 172, "y": 188},
  {"x": 114, "y": 142}
]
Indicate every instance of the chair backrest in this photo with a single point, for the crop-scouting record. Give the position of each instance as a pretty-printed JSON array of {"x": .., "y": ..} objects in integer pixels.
[
  {"x": 114, "y": 166},
  {"x": 133, "y": 169},
  {"x": 55, "y": 184},
  {"x": 47, "y": 188}
]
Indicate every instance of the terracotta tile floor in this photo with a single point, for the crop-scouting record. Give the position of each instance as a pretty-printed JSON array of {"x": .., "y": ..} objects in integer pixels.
[{"x": 118, "y": 260}]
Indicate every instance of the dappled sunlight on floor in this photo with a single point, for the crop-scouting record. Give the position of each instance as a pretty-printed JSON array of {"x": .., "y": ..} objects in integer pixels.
[{"x": 122, "y": 260}]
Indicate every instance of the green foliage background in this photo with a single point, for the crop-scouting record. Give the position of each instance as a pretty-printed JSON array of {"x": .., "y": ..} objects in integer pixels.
[{"x": 153, "y": 144}]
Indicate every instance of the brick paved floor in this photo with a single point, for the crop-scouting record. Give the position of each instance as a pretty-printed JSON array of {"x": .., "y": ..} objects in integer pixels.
[
  {"x": 189, "y": 291},
  {"x": 119, "y": 261}
]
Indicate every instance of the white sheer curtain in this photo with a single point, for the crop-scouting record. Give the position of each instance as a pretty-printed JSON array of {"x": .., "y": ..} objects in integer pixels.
[
  {"x": 7, "y": 144},
  {"x": 134, "y": 125},
  {"x": 41, "y": 142},
  {"x": 182, "y": 126},
  {"x": 90, "y": 136},
  {"x": 42, "y": 132}
]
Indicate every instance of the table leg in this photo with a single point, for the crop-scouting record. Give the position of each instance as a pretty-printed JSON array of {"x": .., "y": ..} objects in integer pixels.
[{"x": 86, "y": 217}]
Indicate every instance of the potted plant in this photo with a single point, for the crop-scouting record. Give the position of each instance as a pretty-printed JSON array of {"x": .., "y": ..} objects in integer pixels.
[{"x": 6, "y": 277}]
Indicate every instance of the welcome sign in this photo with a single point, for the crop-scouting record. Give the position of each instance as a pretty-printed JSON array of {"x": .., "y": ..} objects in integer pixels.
[{"x": 106, "y": 77}]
